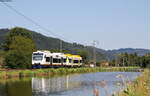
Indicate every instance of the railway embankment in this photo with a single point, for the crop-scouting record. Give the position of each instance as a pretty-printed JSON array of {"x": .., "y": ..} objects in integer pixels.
[{"x": 12, "y": 73}]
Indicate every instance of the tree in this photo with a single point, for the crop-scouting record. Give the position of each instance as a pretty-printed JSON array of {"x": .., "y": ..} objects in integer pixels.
[
  {"x": 15, "y": 59},
  {"x": 147, "y": 60},
  {"x": 125, "y": 59},
  {"x": 2, "y": 54},
  {"x": 20, "y": 43},
  {"x": 19, "y": 48},
  {"x": 17, "y": 31}
]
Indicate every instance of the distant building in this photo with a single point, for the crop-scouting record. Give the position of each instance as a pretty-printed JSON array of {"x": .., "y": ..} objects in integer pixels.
[
  {"x": 92, "y": 65},
  {"x": 104, "y": 64}
]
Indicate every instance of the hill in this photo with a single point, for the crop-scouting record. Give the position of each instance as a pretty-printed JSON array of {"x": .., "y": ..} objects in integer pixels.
[
  {"x": 139, "y": 51},
  {"x": 48, "y": 43},
  {"x": 3, "y": 33}
]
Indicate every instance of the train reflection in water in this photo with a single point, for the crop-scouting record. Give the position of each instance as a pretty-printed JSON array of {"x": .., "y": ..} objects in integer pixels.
[{"x": 45, "y": 86}]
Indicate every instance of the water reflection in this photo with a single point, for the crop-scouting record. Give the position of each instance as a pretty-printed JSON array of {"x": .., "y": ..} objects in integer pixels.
[
  {"x": 47, "y": 86},
  {"x": 16, "y": 88},
  {"x": 70, "y": 85},
  {"x": 80, "y": 85}
]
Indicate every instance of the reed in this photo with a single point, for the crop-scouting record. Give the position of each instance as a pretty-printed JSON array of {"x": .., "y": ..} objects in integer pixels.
[
  {"x": 140, "y": 87},
  {"x": 26, "y": 73},
  {"x": 3, "y": 74}
]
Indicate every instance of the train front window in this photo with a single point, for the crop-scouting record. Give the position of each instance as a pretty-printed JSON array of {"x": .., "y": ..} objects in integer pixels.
[{"x": 38, "y": 56}]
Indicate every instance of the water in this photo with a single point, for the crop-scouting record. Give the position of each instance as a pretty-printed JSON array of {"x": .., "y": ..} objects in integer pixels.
[{"x": 70, "y": 85}]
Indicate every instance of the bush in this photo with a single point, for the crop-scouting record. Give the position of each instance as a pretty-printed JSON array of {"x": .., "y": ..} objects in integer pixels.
[
  {"x": 15, "y": 59},
  {"x": 2, "y": 55}
]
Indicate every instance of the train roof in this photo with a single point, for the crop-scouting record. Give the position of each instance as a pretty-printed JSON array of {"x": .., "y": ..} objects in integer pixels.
[
  {"x": 58, "y": 54},
  {"x": 68, "y": 55},
  {"x": 42, "y": 51},
  {"x": 73, "y": 56}
]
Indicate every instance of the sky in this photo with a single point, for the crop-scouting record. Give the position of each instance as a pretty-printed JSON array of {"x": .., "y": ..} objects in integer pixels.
[{"x": 113, "y": 24}]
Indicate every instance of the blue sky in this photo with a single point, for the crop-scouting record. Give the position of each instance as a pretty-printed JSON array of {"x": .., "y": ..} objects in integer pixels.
[{"x": 114, "y": 23}]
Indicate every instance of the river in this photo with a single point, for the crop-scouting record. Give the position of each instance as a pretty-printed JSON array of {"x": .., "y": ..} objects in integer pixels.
[{"x": 104, "y": 83}]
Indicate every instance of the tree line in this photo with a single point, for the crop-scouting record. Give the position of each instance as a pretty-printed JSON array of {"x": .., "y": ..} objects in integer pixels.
[{"x": 125, "y": 59}]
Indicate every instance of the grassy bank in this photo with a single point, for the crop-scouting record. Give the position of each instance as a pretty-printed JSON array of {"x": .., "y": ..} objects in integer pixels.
[
  {"x": 60, "y": 71},
  {"x": 140, "y": 87}
]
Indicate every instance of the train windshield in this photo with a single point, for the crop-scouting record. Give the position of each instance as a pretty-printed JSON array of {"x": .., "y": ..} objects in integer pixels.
[{"x": 37, "y": 56}]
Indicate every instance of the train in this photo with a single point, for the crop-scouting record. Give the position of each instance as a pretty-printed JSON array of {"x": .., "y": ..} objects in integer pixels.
[{"x": 44, "y": 59}]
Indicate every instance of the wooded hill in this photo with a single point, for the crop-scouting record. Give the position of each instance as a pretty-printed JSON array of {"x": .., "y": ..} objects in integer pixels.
[{"x": 48, "y": 43}]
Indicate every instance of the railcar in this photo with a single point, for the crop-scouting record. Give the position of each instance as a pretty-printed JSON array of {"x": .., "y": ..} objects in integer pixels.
[
  {"x": 57, "y": 59},
  {"x": 41, "y": 59}
]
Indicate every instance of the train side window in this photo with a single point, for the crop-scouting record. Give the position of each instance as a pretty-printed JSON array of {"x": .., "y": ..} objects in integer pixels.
[
  {"x": 59, "y": 60},
  {"x": 64, "y": 60},
  {"x": 70, "y": 60},
  {"x": 47, "y": 59},
  {"x": 80, "y": 61},
  {"x": 55, "y": 60},
  {"x": 76, "y": 61}
]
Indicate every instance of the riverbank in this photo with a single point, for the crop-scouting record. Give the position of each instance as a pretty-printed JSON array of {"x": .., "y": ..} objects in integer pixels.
[
  {"x": 140, "y": 87},
  {"x": 4, "y": 74}
]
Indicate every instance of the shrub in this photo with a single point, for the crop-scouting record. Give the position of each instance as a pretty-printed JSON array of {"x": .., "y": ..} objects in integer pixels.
[{"x": 15, "y": 59}]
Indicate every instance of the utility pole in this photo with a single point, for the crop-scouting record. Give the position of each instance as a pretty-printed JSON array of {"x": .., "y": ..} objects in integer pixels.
[
  {"x": 116, "y": 61},
  {"x": 129, "y": 61},
  {"x": 94, "y": 52},
  {"x": 60, "y": 45},
  {"x": 124, "y": 61},
  {"x": 141, "y": 62}
]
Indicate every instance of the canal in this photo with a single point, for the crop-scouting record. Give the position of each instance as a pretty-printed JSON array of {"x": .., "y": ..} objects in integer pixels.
[{"x": 104, "y": 83}]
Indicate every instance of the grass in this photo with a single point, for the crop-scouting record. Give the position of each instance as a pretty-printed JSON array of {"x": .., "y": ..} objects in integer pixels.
[
  {"x": 59, "y": 71},
  {"x": 140, "y": 87}
]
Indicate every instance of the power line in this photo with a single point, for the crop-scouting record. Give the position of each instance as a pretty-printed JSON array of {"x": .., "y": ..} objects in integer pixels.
[{"x": 32, "y": 21}]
